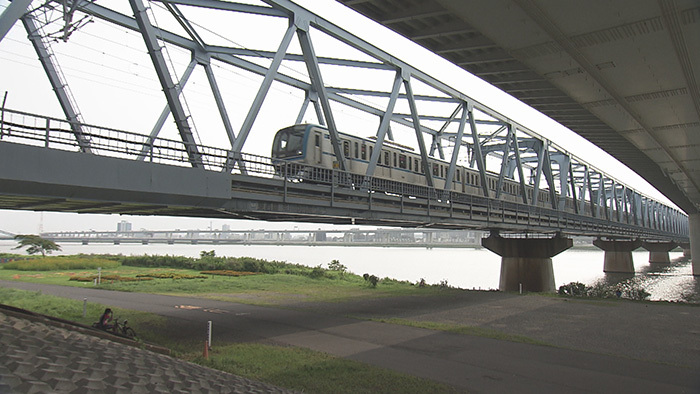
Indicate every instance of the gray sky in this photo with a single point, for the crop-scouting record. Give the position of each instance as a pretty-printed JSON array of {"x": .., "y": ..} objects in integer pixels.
[{"x": 114, "y": 87}]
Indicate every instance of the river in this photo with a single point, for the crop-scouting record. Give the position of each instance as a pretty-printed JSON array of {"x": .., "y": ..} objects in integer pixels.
[{"x": 464, "y": 268}]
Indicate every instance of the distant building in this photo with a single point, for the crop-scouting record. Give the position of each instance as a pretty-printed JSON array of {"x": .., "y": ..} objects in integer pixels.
[{"x": 123, "y": 226}]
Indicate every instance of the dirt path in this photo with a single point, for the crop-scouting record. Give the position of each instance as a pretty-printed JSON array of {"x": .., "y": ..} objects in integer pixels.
[{"x": 609, "y": 333}]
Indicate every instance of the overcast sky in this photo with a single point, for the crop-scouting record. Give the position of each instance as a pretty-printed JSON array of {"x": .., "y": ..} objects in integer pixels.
[{"x": 93, "y": 63}]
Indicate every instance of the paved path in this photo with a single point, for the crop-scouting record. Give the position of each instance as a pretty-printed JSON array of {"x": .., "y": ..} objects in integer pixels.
[{"x": 472, "y": 363}]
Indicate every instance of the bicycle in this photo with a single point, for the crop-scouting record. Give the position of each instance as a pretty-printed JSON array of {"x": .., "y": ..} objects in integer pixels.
[{"x": 121, "y": 329}]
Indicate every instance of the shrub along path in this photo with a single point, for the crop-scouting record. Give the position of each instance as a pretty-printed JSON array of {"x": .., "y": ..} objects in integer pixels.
[{"x": 466, "y": 362}]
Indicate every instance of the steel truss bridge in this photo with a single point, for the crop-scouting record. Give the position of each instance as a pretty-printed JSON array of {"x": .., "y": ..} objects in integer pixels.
[{"x": 55, "y": 164}]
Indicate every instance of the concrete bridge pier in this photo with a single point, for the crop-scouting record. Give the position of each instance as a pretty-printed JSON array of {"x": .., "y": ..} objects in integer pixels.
[
  {"x": 618, "y": 254},
  {"x": 686, "y": 249},
  {"x": 694, "y": 221},
  {"x": 658, "y": 251},
  {"x": 526, "y": 261}
]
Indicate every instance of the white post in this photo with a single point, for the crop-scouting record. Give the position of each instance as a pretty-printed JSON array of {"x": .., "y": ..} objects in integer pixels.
[
  {"x": 99, "y": 275},
  {"x": 520, "y": 286},
  {"x": 209, "y": 334}
]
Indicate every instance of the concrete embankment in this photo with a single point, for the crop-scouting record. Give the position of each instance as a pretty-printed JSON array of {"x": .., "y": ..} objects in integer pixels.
[{"x": 40, "y": 357}]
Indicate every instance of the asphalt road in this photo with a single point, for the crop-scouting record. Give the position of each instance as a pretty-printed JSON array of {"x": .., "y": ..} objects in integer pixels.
[{"x": 471, "y": 363}]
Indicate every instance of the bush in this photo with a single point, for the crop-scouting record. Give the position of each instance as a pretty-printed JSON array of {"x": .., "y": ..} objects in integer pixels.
[
  {"x": 229, "y": 273},
  {"x": 371, "y": 279},
  {"x": 58, "y": 263},
  {"x": 157, "y": 261},
  {"x": 207, "y": 261},
  {"x": 317, "y": 273},
  {"x": 574, "y": 289},
  {"x": 627, "y": 289}
]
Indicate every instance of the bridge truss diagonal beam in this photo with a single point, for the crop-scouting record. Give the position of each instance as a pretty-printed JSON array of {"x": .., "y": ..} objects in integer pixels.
[
  {"x": 60, "y": 87},
  {"x": 169, "y": 88}
]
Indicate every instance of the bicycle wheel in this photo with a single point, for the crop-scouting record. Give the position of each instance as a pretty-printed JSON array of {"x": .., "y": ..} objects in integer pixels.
[{"x": 130, "y": 333}]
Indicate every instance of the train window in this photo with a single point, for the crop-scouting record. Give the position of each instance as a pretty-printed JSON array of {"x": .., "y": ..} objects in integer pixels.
[
  {"x": 317, "y": 140},
  {"x": 370, "y": 152},
  {"x": 346, "y": 148},
  {"x": 410, "y": 164},
  {"x": 364, "y": 152},
  {"x": 442, "y": 171},
  {"x": 436, "y": 170},
  {"x": 357, "y": 149},
  {"x": 289, "y": 142},
  {"x": 387, "y": 160},
  {"x": 458, "y": 180},
  {"x": 402, "y": 161},
  {"x": 417, "y": 169},
  {"x": 395, "y": 163}
]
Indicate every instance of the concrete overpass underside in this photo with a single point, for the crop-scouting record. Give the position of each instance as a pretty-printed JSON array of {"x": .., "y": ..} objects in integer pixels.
[{"x": 621, "y": 74}]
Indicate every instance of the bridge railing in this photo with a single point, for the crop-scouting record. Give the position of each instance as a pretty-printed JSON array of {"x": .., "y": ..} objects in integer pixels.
[{"x": 54, "y": 133}]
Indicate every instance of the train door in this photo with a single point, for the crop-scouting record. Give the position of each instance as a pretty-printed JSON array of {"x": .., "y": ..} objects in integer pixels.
[{"x": 318, "y": 148}]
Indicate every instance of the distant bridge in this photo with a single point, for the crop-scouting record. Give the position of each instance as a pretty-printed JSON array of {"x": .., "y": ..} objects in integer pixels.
[{"x": 379, "y": 237}]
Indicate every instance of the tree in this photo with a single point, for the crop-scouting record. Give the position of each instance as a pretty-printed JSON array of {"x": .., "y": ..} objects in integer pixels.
[{"x": 36, "y": 244}]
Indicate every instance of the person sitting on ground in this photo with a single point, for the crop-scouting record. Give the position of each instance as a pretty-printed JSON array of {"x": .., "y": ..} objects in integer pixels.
[{"x": 105, "y": 320}]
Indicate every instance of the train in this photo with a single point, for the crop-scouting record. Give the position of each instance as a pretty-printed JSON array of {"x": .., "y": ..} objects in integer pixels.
[{"x": 309, "y": 150}]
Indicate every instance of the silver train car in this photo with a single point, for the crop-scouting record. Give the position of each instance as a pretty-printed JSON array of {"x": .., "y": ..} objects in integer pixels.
[{"x": 306, "y": 150}]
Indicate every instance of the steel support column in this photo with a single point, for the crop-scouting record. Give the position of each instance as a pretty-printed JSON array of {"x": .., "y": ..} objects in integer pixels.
[
  {"x": 384, "y": 125},
  {"x": 504, "y": 162},
  {"x": 417, "y": 128},
  {"x": 312, "y": 67},
  {"x": 262, "y": 92},
  {"x": 11, "y": 14},
  {"x": 480, "y": 162},
  {"x": 519, "y": 163},
  {"x": 166, "y": 82},
  {"x": 166, "y": 111},
  {"x": 455, "y": 149},
  {"x": 59, "y": 86}
]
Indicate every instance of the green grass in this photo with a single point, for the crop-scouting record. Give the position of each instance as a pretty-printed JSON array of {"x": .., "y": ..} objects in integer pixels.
[
  {"x": 294, "y": 368},
  {"x": 462, "y": 329},
  {"x": 146, "y": 325},
  {"x": 261, "y": 289},
  {"x": 313, "y": 372}
]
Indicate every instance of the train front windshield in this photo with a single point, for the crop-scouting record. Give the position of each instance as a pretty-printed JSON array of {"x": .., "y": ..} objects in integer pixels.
[{"x": 289, "y": 142}]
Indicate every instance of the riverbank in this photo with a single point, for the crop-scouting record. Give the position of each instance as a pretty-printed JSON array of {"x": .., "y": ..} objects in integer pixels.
[{"x": 586, "y": 345}]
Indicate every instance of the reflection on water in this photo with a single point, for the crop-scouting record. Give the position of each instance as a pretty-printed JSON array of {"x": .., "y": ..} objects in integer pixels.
[
  {"x": 671, "y": 282},
  {"x": 464, "y": 268}
]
